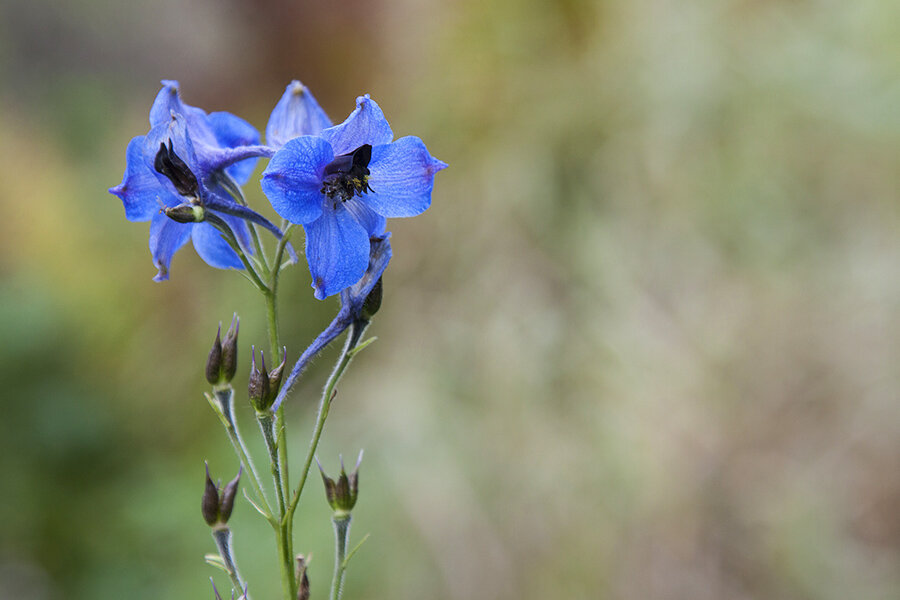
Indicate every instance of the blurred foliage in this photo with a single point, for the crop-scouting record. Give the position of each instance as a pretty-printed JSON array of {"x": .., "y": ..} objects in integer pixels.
[{"x": 643, "y": 345}]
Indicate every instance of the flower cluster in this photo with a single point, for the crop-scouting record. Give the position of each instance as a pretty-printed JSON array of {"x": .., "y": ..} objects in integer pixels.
[{"x": 341, "y": 183}]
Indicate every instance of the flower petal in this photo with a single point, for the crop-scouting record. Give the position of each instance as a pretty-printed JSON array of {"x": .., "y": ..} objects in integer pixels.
[
  {"x": 166, "y": 237},
  {"x": 168, "y": 101},
  {"x": 372, "y": 222},
  {"x": 232, "y": 131},
  {"x": 293, "y": 179},
  {"x": 337, "y": 248},
  {"x": 140, "y": 191},
  {"x": 296, "y": 114},
  {"x": 212, "y": 247},
  {"x": 365, "y": 125},
  {"x": 401, "y": 178}
]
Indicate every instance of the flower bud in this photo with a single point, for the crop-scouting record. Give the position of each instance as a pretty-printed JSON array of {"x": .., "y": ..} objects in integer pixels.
[
  {"x": 209, "y": 506},
  {"x": 258, "y": 384},
  {"x": 216, "y": 507},
  {"x": 185, "y": 213},
  {"x": 342, "y": 494},
  {"x": 229, "y": 349},
  {"x": 263, "y": 385},
  {"x": 214, "y": 361},
  {"x": 226, "y": 503},
  {"x": 275, "y": 376}
]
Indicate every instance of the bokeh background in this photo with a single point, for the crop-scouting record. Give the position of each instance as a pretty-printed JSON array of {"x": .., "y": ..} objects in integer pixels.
[{"x": 644, "y": 344}]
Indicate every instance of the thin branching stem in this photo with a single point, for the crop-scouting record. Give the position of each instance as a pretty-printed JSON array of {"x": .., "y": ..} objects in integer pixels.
[{"x": 328, "y": 393}]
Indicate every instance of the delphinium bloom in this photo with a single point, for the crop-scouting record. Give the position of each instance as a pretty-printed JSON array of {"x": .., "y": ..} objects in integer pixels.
[
  {"x": 342, "y": 184},
  {"x": 182, "y": 176}
]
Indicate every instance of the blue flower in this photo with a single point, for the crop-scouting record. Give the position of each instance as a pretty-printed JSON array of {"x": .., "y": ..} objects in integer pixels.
[
  {"x": 342, "y": 184},
  {"x": 189, "y": 159}
]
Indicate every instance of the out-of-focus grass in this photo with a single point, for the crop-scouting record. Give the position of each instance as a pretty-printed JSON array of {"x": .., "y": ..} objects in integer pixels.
[{"x": 643, "y": 345}]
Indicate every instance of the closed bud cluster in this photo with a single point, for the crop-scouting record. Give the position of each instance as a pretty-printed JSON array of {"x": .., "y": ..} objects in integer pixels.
[
  {"x": 221, "y": 365},
  {"x": 342, "y": 494},
  {"x": 263, "y": 385},
  {"x": 217, "y": 504}
]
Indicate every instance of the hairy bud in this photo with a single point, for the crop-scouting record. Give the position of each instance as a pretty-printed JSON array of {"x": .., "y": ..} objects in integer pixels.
[
  {"x": 263, "y": 385},
  {"x": 216, "y": 505},
  {"x": 342, "y": 494},
  {"x": 229, "y": 349},
  {"x": 258, "y": 383},
  {"x": 214, "y": 361}
]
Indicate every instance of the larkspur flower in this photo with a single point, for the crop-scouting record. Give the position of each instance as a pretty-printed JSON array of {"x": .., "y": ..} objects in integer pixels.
[
  {"x": 342, "y": 184},
  {"x": 182, "y": 168}
]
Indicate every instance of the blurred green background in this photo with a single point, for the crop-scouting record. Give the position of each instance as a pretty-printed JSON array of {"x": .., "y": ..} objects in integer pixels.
[{"x": 644, "y": 344}]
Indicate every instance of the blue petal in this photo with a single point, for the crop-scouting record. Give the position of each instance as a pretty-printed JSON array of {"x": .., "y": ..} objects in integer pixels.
[
  {"x": 401, "y": 178},
  {"x": 337, "y": 249},
  {"x": 372, "y": 222},
  {"x": 365, "y": 125},
  {"x": 140, "y": 190},
  {"x": 293, "y": 179},
  {"x": 212, "y": 247},
  {"x": 296, "y": 114},
  {"x": 166, "y": 237},
  {"x": 168, "y": 101},
  {"x": 232, "y": 131},
  {"x": 208, "y": 133}
]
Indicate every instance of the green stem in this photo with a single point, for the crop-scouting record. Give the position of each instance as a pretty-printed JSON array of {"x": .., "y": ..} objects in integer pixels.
[
  {"x": 267, "y": 423},
  {"x": 257, "y": 244},
  {"x": 222, "y": 536},
  {"x": 274, "y": 346},
  {"x": 232, "y": 187},
  {"x": 276, "y": 442},
  {"x": 356, "y": 331},
  {"x": 341, "y": 537},
  {"x": 231, "y": 240},
  {"x": 279, "y": 254},
  {"x": 224, "y": 398}
]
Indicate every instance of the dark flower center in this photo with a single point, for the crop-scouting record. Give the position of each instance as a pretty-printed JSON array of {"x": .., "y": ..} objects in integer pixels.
[
  {"x": 348, "y": 174},
  {"x": 170, "y": 164}
]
